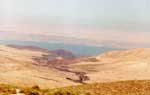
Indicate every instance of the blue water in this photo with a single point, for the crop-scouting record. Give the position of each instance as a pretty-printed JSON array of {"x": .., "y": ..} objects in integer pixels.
[{"x": 79, "y": 50}]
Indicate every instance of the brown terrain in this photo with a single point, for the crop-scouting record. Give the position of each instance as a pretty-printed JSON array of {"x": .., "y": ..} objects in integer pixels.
[{"x": 27, "y": 66}]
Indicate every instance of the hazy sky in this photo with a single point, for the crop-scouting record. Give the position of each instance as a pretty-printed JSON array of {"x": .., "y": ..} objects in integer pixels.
[{"x": 102, "y": 22}]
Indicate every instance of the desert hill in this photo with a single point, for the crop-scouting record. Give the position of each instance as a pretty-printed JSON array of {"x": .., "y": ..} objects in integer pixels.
[
  {"x": 28, "y": 67},
  {"x": 131, "y": 64},
  {"x": 19, "y": 67}
]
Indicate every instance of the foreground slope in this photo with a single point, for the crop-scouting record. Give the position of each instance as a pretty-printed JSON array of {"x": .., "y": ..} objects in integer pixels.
[
  {"x": 111, "y": 88},
  {"x": 133, "y": 87}
]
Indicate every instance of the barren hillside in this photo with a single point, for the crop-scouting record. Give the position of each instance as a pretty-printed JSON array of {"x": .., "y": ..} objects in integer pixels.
[
  {"x": 118, "y": 65},
  {"x": 28, "y": 67},
  {"x": 19, "y": 67}
]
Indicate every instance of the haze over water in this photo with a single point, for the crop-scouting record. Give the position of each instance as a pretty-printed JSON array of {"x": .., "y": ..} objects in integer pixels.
[{"x": 102, "y": 23}]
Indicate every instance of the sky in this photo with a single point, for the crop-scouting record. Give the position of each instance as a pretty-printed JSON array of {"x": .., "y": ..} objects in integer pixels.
[{"x": 117, "y": 23}]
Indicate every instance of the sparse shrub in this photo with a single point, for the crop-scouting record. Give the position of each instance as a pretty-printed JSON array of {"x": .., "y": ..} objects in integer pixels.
[
  {"x": 64, "y": 93},
  {"x": 58, "y": 93},
  {"x": 36, "y": 87},
  {"x": 33, "y": 92},
  {"x": 87, "y": 93}
]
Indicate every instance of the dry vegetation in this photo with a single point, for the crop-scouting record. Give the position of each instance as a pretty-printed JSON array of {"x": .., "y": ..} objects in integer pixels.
[
  {"x": 141, "y": 87},
  {"x": 113, "y": 88}
]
